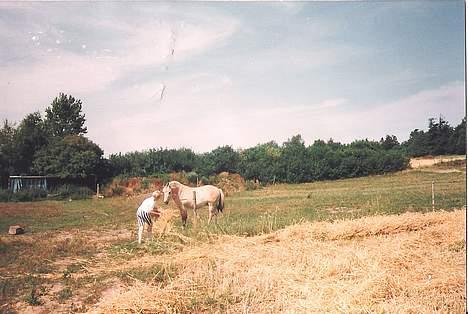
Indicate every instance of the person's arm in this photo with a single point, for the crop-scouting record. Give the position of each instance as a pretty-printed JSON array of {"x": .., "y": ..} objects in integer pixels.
[{"x": 154, "y": 211}]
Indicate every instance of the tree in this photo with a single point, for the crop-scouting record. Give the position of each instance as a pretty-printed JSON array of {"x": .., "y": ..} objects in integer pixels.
[
  {"x": 30, "y": 138},
  {"x": 7, "y": 151},
  {"x": 323, "y": 160},
  {"x": 64, "y": 117},
  {"x": 418, "y": 143},
  {"x": 261, "y": 162},
  {"x": 223, "y": 158},
  {"x": 439, "y": 134},
  {"x": 73, "y": 156},
  {"x": 389, "y": 142},
  {"x": 458, "y": 139},
  {"x": 182, "y": 159},
  {"x": 294, "y": 160}
]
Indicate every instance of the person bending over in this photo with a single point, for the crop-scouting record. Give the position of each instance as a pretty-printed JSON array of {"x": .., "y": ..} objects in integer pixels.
[{"x": 145, "y": 214}]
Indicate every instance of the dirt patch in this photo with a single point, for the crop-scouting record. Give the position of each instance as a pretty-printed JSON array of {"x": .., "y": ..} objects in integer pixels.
[
  {"x": 52, "y": 269},
  {"x": 435, "y": 170},
  {"x": 410, "y": 263},
  {"x": 421, "y": 162},
  {"x": 36, "y": 209},
  {"x": 336, "y": 210}
]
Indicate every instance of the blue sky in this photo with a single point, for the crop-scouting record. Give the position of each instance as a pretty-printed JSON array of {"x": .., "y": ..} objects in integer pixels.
[{"x": 235, "y": 73}]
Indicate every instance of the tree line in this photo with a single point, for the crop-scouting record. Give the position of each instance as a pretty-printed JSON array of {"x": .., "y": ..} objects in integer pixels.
[
  {"x": 56, "y": 145},
  {"x": 439, "y": 139},
  {"x": 291, "y": 162},
  {"x": 51, "y": 145}
]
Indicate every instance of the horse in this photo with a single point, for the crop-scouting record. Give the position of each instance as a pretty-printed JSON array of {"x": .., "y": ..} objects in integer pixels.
[{"x": 188, "y": 197}]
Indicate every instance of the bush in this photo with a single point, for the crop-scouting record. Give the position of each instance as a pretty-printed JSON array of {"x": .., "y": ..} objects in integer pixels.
[
  {"x": 23, "y": 195},
  {"x": 192, "y": 177},
  {"x": 145, "y": 183},
  {"x": 164, "y": 177},
  {"x": 117, "y": 190},
  {"x": 73, "y": 192},
  {"x": 204, "y": 180},
  {"x": 33, "y": 297},
  {"x": 251, "y": 185},
  {"x": 5, "y": 195}
]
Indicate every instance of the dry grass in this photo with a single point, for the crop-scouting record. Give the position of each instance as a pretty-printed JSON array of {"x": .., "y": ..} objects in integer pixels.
[
  {"x": 421, "y": 162},
  {"x": 411, "y": 263},
  {"x": 83, "y": 255}
]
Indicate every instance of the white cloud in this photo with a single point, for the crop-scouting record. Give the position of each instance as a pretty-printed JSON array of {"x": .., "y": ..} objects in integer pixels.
[
  {"x": 55, "y": 67},
  {"x": 399, "y": 117},
  {"x": 219, "y": 117},
  {"x": 268, "y": 83},
  {"x": 299, "y": 109}
]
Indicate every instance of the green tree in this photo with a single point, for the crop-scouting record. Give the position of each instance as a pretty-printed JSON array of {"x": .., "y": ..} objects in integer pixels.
[
  {"x": 458, "y": 139},
  {"x": 418, "y": 143},
  {"x": 30, "y": 138},
  {"x": 64, "y": 117},
  {"x": 389, "y": 142},
  {"x": 73, "y": 156},
  {"x": 261, "y": 162},
  {"x": 223, "y": 158},
  {"x": 182, "y": 159},
  {"x": 439, "y": 135},
  {"x": 323, "y": 160},
  {"x": 8, "y": 153},
  {"x": 294, "y": 160}
]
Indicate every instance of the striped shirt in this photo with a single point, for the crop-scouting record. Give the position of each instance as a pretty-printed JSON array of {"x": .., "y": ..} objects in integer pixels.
[{"x": 143, "y": 212}]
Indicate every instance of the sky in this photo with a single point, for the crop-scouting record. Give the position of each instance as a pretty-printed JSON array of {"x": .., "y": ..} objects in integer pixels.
[{"x": 206, "y": 74}]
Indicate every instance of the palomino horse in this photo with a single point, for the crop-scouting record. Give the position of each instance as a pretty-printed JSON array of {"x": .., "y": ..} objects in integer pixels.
[{"x": 188, "y": 197}]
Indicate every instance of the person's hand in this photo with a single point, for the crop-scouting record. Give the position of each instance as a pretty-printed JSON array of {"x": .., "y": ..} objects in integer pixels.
[{"x": 156, "y": 213}]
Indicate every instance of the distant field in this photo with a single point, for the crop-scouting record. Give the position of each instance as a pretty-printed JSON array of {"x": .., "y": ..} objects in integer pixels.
[
  {"x": 76, "y": 252},
  {"x": 420, "y": 162}
]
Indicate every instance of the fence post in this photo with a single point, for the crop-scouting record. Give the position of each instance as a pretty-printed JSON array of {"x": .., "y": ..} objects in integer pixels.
[
  {"x": 194, "y": 200},
  {"x": 433, "y": 199},
  {"x": 97, "y": 191},
  {"x": 195, "y": 214}
]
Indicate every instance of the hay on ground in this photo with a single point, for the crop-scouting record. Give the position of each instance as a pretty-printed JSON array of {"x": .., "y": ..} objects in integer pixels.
[{"x": 411, "y": 263}]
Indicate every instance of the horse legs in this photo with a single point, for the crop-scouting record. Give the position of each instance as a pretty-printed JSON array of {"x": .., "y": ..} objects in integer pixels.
[
  {"x": 194, "y": 206},
  {"x": 211, "y": 212},
  {"x": 183, "y": 215},
  {"x": 195, "y": 213},
  {"x": 195, "y": 217}
]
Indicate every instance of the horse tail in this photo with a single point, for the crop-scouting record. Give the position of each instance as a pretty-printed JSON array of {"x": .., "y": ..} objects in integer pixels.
[{"x": 220, "y": 201}]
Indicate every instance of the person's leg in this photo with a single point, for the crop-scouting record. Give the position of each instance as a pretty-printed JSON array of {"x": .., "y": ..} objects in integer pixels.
[
  {"x": 140, "y": 224},
  {"x": 149, "y": 223},
  {"x": 150, "y": 231},
  {"x": 140, "y": 233}
]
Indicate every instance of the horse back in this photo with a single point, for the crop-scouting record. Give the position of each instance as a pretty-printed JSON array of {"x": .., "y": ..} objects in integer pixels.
[{"x": 204, "y": 194}]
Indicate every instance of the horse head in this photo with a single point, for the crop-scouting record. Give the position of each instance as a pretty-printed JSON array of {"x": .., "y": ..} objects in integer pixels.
[{"x": 168, "y": 189}]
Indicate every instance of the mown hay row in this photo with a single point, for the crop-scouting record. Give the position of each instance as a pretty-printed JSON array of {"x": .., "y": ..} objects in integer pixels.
[{"x": 411, "y": 263}]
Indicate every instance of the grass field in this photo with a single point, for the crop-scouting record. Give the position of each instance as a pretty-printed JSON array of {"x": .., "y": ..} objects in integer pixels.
[{"x": 76, "y": 253}]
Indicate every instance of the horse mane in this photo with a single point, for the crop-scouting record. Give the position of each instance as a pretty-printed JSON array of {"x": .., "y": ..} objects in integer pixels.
[
  {"x": 177, "y": 183},
  {"x": 175, "y": 187}
]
